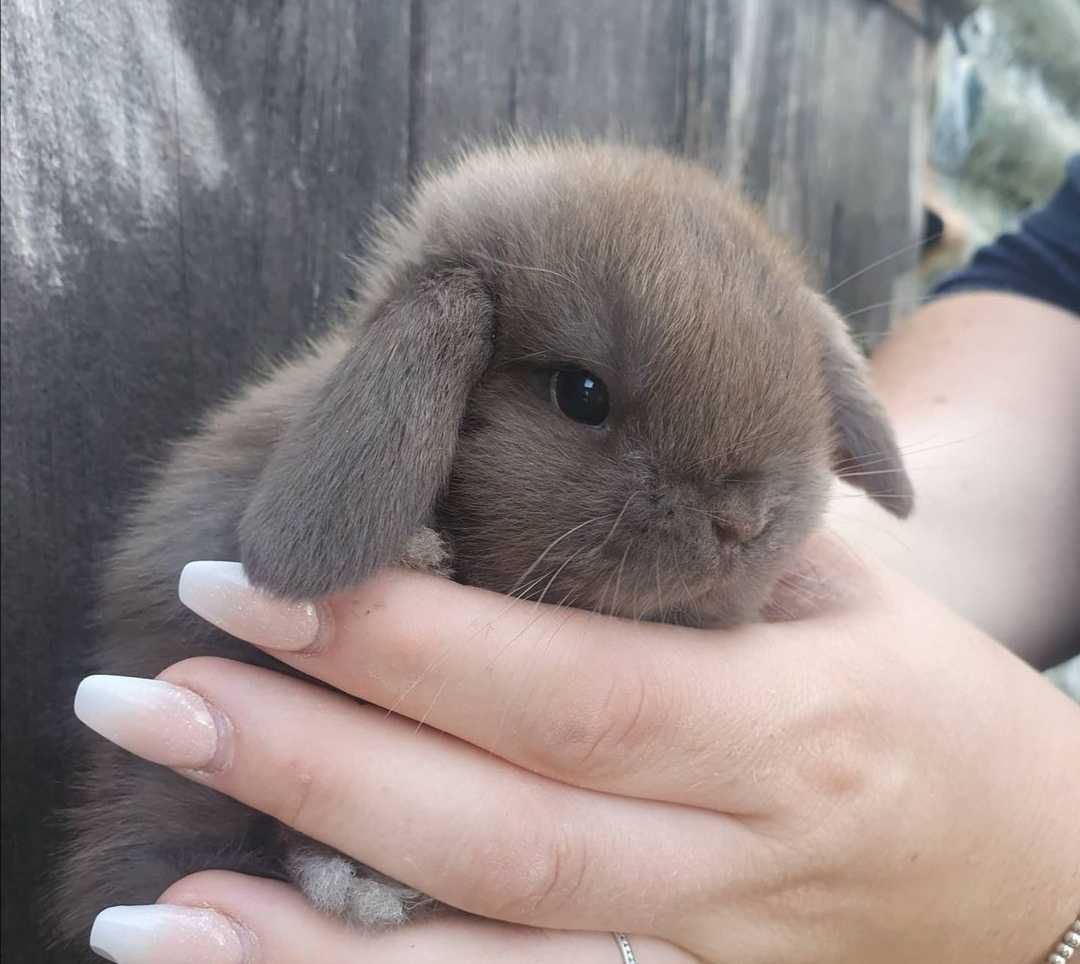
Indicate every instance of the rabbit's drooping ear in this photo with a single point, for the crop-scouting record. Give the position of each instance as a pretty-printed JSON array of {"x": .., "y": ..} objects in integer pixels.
[
  {"x": 866, "y": 454},
  {"x": 359, "y": 470}
]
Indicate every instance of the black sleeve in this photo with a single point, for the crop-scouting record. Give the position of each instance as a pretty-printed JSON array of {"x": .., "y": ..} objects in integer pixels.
[{"x": 1041, "y": 259}]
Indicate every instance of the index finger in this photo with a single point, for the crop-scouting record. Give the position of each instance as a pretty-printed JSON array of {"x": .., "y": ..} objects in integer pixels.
[
  {"x": 226, "y": 918},
  {"x": 642, "y": 710}
]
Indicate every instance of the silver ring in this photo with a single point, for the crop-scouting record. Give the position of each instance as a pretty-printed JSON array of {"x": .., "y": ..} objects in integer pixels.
[{"x": 623, "y": 943}]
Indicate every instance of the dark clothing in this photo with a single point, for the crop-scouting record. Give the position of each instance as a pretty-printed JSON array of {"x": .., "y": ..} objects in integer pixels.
[{"x": 1040, "y": 259}]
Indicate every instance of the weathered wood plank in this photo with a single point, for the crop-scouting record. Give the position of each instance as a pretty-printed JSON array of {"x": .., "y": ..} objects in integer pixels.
[
  {"x": 179, "y": 180},
  {"x": 604, "y": 69},
  {"x": 463, "y": 74},
  {"x": 812, "y": 107}
]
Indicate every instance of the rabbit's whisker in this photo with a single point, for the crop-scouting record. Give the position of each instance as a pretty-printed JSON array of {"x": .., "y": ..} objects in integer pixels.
[
  {"x": 659, "y": 589},
  {"x": 880, "y": 261},
  {"x": 491, "y": 259},
  {"x": 554, "y": 542},
  {"x": 618, "y": 576},
  {"x": 868, "y": 461},
  {"x": 567, "y": 599},
  {"x": 883, "y": 304},
  {"x": 515, "y": 595}
]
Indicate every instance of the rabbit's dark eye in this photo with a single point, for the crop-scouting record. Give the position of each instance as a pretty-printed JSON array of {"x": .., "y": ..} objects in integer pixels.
[{"x": 580, "y": 395}]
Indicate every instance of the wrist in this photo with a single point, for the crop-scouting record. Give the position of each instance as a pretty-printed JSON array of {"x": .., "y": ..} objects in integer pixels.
[
  {"x": 1053, "y": 874},
  {"x": 1068, "y": 944}
]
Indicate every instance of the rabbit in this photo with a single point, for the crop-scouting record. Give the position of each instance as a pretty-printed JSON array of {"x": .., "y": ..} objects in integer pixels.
[{"x": 581, "y": 372}]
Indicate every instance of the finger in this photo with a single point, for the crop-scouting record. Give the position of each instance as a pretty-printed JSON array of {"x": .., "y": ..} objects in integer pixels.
[
  {"x": 427, "y": 809},
  {"x": 224, "y": 918},
  {"x": 643, "y": 710}
]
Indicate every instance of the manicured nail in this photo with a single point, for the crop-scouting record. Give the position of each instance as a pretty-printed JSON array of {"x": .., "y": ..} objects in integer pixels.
[
  {"x": 160, "y": 722},
  {"x": 165, "y": 934},
  {"x": 221, "y": 594}
]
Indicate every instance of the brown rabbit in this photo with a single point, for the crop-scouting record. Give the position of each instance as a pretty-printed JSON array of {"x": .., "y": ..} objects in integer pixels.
[{"x": 591, "y": 370}]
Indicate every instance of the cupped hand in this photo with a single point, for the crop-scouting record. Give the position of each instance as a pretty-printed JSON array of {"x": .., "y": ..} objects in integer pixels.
[{"x": 871, "y": 780}]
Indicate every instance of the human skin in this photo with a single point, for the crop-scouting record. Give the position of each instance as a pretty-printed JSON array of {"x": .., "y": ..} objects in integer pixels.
[
  {"x": 830, "y": 789},
  {"x": 875, "y": 780},
  {"x": 984, "y": 392}
]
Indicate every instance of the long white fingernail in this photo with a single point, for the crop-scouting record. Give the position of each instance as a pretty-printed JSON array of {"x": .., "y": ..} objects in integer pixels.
[
  {"x": 166, "y": 934},
  {"x": 153, "y": 719},
  {"x": 221, "y": 594}
]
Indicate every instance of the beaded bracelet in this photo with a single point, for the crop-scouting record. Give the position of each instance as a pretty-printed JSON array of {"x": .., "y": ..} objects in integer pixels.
[{"x": 1067, "y": 946}]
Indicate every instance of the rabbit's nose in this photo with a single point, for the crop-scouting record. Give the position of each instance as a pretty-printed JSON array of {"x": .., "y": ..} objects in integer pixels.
[{"x": 736, "y": 529}]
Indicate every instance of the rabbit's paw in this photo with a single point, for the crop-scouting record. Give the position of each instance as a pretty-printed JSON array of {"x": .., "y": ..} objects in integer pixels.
[
  {"x": 427, "y": 550},
  {"x": 343, "y": 888}
]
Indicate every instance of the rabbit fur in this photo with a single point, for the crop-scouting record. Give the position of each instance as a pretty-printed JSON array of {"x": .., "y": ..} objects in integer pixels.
[{"x": 423, "y": 429}]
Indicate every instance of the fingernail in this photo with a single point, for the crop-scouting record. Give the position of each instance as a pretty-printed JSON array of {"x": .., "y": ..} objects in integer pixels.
[
  {"x": 153, "y": 719},
  {"x": 221, "y": 594},
  {"x": 165, "y": 934}
]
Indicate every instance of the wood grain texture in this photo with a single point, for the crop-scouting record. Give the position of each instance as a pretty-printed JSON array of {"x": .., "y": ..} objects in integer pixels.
[
  {"x": 181, "y": 180},
  {"x": 815, "y": 108},
  {"x": 463, "y": 74},
  {"x": 604, "y": 69}
]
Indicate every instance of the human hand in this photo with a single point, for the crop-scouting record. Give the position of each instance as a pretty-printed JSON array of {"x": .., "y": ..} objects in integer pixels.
[{"x": 873, "y": 781}]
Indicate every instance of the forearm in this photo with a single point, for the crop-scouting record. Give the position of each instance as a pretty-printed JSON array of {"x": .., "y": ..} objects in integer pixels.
[{"x": 984, "y": 391}]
